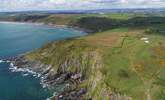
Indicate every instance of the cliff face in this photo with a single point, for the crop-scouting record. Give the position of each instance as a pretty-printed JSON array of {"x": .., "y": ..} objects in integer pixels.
[
  {"x": 71, "y": 61},
  {"x": 76, "y": 63}
]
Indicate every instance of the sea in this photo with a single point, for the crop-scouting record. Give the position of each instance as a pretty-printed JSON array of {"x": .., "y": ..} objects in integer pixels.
[{"x": 17, "y": 39}]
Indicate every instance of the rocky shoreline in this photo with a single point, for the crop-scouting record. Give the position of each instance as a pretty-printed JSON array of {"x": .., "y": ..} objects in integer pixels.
[{"x": 49, "y": 78}]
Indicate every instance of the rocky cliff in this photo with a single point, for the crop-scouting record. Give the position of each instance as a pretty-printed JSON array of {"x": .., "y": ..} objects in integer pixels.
[{"x": 72, "y": 63}]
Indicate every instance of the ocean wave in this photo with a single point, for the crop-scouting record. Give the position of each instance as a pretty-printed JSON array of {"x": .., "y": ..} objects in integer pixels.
[
  {"x": 1, "y": 61},
  {"x": 14, "y": 68},
  {"x": 4, "y": 61},
  {"x": 27, "y": 72}
]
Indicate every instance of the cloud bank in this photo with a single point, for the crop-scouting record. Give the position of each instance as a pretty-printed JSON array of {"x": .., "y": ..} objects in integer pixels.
[{"x": 17, "y": 5}]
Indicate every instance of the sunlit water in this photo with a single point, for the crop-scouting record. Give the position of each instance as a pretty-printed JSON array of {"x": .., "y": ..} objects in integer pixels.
[{"x": 15, "y": 39}]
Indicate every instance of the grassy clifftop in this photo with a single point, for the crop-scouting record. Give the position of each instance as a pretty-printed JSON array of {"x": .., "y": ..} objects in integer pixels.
[
  {"x": 117, "y": 61},
  {"x": 124, "y": 59}
]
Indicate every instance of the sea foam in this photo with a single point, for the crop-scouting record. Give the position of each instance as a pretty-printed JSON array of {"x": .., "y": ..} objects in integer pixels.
[
  {"x": 1, "y": 61},
  {"x": 26, "y": 72},
  {"x": 4, "y": 61}
]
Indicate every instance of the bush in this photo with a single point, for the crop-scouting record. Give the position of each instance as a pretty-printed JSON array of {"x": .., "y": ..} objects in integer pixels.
[{"x": 151, "y": 31}]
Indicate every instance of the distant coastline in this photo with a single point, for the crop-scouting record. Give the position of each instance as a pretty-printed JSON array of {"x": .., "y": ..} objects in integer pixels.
[{"x": 85, "y": 31}]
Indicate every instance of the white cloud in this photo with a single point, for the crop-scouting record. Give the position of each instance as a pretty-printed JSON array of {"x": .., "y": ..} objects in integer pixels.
[{"x": 76, "y": 4}]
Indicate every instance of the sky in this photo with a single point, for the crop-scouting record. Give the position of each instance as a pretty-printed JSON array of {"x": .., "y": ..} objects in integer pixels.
[{"x": 24, "y": 5}]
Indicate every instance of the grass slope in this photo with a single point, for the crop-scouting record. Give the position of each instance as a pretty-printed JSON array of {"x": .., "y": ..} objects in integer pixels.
[{"x": 131, "y": 66}]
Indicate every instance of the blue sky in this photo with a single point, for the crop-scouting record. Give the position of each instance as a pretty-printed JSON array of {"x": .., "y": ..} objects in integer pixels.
[{"x": 18, "y": 5}]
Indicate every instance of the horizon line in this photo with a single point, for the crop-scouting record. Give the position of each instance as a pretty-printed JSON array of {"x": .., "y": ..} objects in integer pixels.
[{"x": 80, "y": 9}]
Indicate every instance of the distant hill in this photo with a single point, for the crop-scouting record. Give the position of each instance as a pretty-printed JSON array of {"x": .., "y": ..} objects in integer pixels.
[{"x": 126, "y": 10}]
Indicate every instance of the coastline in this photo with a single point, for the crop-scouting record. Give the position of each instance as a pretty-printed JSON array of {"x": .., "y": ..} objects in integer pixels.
[
  {"x": 26, "y": 72},
  {"x": 48, "y": 78},
  {"x": 85, "y": 31}
]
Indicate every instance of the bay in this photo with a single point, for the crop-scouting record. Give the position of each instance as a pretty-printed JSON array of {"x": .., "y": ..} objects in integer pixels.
[{"x": 19, "y": 38}]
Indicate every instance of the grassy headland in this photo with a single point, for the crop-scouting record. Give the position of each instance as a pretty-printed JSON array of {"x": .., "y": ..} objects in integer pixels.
[{"x": 123, "y": 59}]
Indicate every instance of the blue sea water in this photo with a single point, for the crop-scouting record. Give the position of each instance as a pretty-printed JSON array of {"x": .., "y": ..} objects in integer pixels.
[{"x": 15, "y": 39}]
